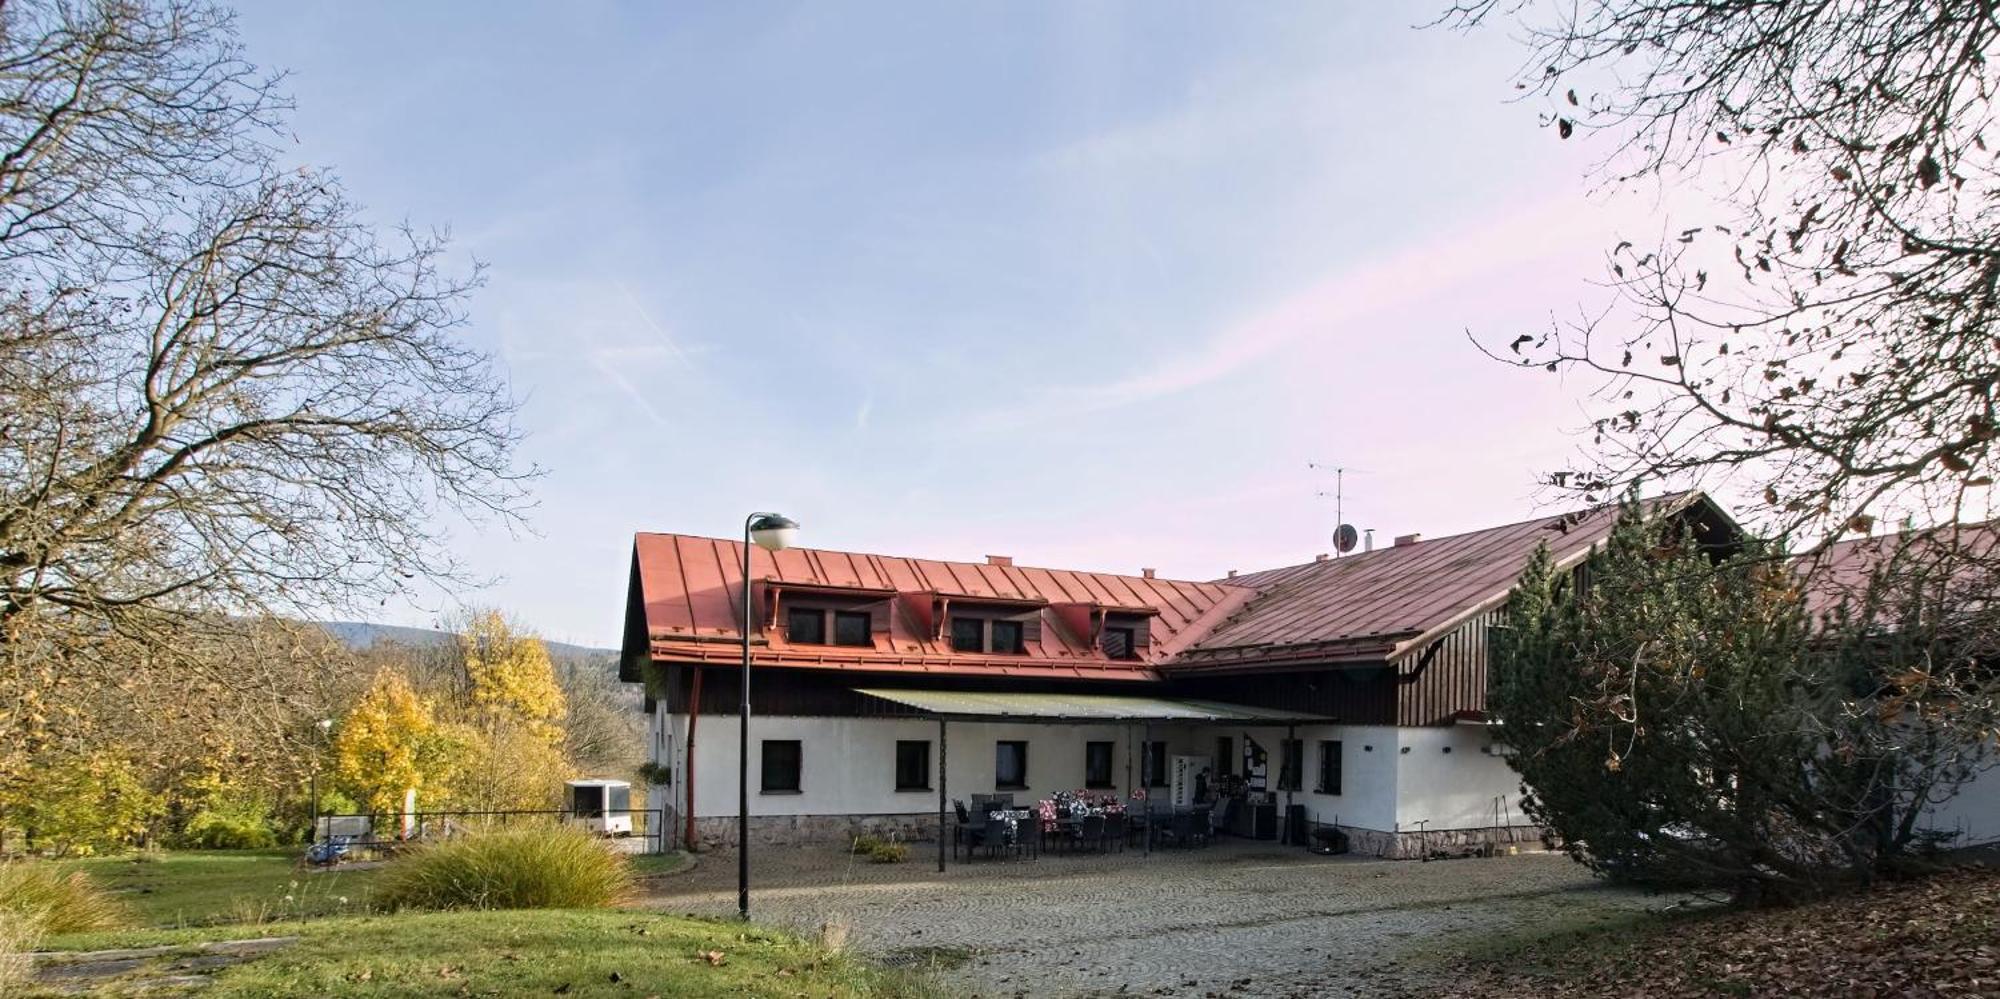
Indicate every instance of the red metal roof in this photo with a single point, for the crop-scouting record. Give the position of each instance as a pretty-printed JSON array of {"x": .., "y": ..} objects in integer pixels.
[
  {"x": 1377, "y": 604},
  {"x": 1362, "y": 608},
  {"x": 1840, "y": 572},
  {"x": 691, "y": 592}
]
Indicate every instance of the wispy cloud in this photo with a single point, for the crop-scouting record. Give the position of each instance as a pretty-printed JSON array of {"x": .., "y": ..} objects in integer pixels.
[{"x": 1342, "y": 296}]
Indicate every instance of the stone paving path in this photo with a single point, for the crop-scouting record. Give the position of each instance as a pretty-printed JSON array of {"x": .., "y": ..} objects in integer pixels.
[
  {"x": 1236, "y": 919},
  {"x": 141, "y": 969}
]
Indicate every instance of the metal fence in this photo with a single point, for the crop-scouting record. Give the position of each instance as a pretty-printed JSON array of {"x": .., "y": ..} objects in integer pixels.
[{"x": 381, "y": 833}]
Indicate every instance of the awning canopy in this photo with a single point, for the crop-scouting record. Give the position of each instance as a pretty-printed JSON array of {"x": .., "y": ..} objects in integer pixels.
[{"x": 1081, "y": 707}]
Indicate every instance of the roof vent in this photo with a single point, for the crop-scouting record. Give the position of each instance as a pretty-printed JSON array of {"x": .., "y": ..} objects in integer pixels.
[
  {"x": 1368, "y": 540},
  {"x": 1148, "y": 573},
  {"x": 1232, "y": 574},
  {"x": 1407, "y": 539},
  {"x": 999, "y": 560},
  {"x": 1321, "y": 557}
]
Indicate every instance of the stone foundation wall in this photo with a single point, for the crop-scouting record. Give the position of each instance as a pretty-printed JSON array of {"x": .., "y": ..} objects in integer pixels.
[
  {"x": 1412, "y": 845},
  {"x": 787, "y": 830}
]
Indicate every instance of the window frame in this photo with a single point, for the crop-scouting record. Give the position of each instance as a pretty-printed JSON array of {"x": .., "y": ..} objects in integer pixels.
[
  {"x": 1000, "y": 784},
  {"x": 978, "y": 623},
  {"x": 1131, "y": 634},
  {"x": 794, "y": 614},
  {"x": 1019, "y": 646},
  {"x": 1291, "y": 760},
  {"x": 764, "y": 785},
  {"x": 1110, "y": 751},
  {"x": 867, "y": 621},
  {"x": 925, "y": 745},
  {"x": 1336, "y": 758}
]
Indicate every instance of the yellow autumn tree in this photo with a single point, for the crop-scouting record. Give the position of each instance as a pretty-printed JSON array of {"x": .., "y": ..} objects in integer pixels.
[
  {"x": 509, "y": 676},
  {"x": 509, "y": 721},
  {"x": 389, "y": 742}
]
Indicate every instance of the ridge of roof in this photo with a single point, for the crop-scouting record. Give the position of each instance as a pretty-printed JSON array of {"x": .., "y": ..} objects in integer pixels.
[
  {"x": 945, "y": 561},
  {"x": 1585, "y": 512}
]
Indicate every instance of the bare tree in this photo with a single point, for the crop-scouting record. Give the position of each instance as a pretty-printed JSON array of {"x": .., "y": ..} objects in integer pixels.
[
  {"x": 1821, "y": 343},
  {"x": 222, "y": 391}
]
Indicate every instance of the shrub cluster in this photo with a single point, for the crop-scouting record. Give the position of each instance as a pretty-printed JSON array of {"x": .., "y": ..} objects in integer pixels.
[
  {"x": 881, "y": 851},
  {"x": 42, "y": 899},
  {"x": 536, "y": 867}
]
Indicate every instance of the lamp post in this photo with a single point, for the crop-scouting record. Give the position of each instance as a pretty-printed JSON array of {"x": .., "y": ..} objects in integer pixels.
[
  {"x": 325, "y": 726},
  {"x": 771, "y": 532}
]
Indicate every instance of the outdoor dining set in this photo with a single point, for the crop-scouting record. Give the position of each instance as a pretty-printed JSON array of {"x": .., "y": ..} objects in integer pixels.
[{"x": 1073, "y": 821}]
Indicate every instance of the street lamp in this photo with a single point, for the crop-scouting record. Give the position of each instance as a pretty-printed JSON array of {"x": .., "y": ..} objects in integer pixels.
[
  {"x": 772, "y": 532},
  {"x": 325, "y": 726}
]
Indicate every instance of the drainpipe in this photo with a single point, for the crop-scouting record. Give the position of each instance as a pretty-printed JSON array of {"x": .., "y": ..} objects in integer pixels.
[{"x": 694, "y": 715}]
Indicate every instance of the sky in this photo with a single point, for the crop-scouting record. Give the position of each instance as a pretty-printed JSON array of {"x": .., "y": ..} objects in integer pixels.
[{"x": 1094, "y": 285}]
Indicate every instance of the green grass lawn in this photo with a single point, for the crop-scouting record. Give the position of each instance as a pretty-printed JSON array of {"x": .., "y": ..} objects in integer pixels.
[
  {"x": 605, "y": 952},
  {"x": 186, "y": 898},
  {"x": 200, "y": 888}
]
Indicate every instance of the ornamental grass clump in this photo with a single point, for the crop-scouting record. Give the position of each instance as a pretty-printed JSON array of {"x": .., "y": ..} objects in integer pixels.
[
  {"x": 540, "y": 867},
  {"x": 45, "y": 899}
]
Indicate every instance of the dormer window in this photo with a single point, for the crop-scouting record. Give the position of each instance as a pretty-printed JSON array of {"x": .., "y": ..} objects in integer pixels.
[
  {"x": 853, "y": 628},
  {"x": 1120, "y": 643},
  {"x": 805, "y": 626},
  {"x": 968, "y": 634},
  {"x": 808, "y": 626},
  {"x": 998, "y": 636},
  {"x": 1007, "y": 638}
]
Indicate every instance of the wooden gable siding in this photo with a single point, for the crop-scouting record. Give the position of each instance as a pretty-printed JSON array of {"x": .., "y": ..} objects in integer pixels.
[
  {"x": 1447, "y": 676},
  {"x": 1348, "y": 695},
  {"x": 818, "y": 693}
]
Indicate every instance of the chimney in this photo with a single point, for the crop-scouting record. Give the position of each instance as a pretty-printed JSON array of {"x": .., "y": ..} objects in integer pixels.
[
  {"x": 1321, "y": 557},
  {"x": 1407, "y": 539},
  {"x": 999, "y": 560},
  {"x": 1232, "y": 574},
  {"x": 1148, "y": 573},
  {"x": 1368, "y": 540}
]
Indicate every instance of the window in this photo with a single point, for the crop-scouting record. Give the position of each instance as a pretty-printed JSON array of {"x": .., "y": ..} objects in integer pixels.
[
  {"x": 1225, "y": 756},
  {"x": 853, "y": 628},
  {"x": 1156, "y": 764},
  {"x": 968, "y": 634},
  {"x": 781, "y": 766},
  {"x": 1097, "y": 764},
  {"x": 1118, "y": 643},
  {"x": 1007, "y": 638},
  {"x": 805, "y": 626},
  {"x": 1010, "y": 766},
  {"x": 913, "y": 765},
  {"x": 1329, "y": 766},
  {"x": 1292, "y": 755}
]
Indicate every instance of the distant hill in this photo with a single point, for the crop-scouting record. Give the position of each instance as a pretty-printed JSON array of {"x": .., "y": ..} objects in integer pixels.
[{"x": 362, "y": 634}]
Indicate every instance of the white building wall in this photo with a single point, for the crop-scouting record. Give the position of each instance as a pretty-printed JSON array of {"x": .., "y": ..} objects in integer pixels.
[
  {"x": 1973, "y": 813},
  {"x": 848, "y": 765},
  {"x": 1452, "y": 777}
]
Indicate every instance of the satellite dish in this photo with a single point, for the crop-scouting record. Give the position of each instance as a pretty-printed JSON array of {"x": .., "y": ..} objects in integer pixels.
[{"x": 1345, "y": 537}]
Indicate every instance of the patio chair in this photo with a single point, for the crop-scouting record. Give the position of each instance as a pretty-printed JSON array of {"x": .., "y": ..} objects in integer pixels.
[
  {"x": 1180, "y": 829},
  {"x": 1115, "y": 828},
  {"x": 1091, "y": 834},
  {"x": 966, "y": 833},
  {"x": 996, "y": 836}
]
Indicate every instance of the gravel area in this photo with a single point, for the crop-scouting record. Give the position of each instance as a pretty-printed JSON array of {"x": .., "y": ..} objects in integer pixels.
[{"x": 1235, "y": 919}]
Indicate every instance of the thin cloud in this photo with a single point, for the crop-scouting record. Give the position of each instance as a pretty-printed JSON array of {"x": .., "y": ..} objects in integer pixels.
[{"x": 1342, "y": 296}]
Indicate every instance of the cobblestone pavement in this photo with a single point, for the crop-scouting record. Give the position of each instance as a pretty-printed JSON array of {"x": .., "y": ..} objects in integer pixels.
[{"x": 1237, "y": 919}]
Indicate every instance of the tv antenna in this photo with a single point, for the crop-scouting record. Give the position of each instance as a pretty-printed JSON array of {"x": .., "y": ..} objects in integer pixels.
[{"x": 1345, "y": 537}]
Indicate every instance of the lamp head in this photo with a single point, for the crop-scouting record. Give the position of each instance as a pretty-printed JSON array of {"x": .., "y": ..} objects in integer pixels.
[{"x": 773, "y": 532}]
